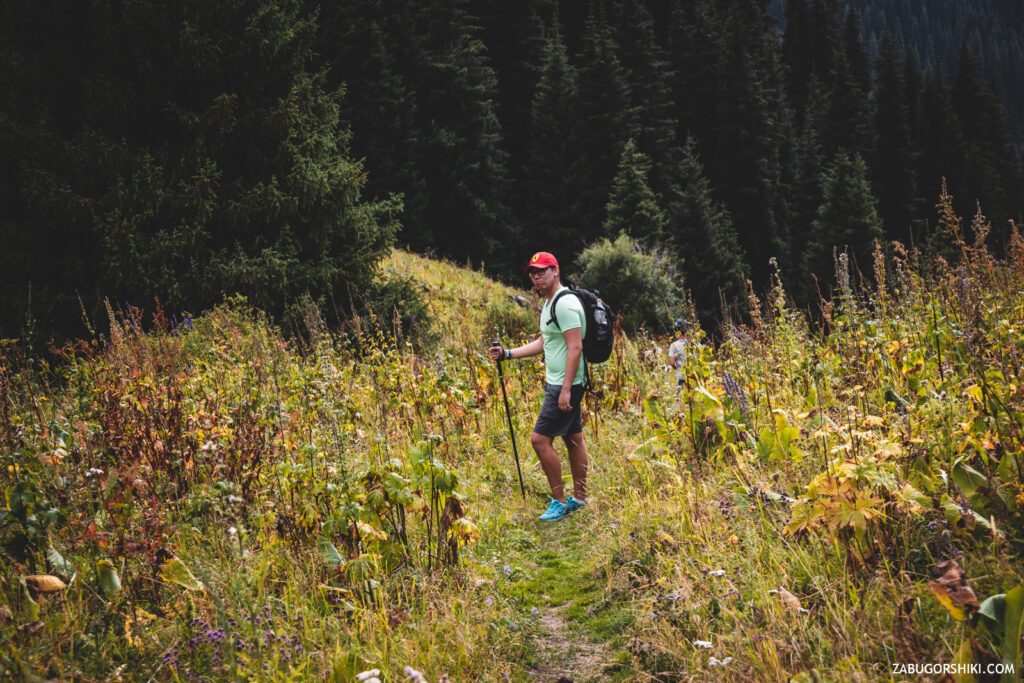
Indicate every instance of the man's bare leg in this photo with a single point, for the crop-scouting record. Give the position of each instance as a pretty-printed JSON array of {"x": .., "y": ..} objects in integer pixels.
[
  {"x": 550, "y": 463},
  {"x": 579, "y": 463}
]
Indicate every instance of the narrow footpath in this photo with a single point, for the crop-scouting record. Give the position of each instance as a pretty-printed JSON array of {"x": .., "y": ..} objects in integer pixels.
[{"x": 562, "y": 583}]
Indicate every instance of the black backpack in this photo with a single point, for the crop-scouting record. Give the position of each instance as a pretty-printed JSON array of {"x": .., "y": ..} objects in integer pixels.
[{"x": 597, "y": 344}]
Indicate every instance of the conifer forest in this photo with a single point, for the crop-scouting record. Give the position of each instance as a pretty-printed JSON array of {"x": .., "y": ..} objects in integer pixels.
[{"x": 253, "y": 254}]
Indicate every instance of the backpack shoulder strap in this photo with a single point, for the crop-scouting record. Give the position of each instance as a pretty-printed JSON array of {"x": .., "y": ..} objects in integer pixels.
[{"x": 554, "y": 303}]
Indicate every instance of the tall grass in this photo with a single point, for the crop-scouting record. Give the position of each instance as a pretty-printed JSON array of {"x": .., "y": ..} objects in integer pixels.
[{"x": 220, "y": 502}]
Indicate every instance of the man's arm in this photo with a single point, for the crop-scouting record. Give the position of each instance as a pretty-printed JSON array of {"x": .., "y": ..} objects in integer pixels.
[
  {"x": 534, "y": 348},
  {"x": 574, "y": 342}
]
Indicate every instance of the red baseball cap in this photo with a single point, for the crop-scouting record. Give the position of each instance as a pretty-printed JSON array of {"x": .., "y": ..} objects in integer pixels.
[{"x": 542, "y": 259}]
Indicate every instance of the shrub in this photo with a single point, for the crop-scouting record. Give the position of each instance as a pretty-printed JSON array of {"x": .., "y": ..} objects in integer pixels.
[{"x": 640, "y": 284}]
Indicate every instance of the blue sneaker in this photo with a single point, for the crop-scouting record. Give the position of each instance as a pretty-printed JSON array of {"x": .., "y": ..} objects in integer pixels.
[
  {"x": 555, "y": 511},
  {"x": 572, "y": 505}
]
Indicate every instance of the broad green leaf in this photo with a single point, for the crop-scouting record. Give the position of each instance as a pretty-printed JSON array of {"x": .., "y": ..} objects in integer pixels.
[
  {"x": 31, "y": 605},
  {"x": 967, "y": 478},
  {"x": 1013, "y": 630},
  {"x": 965, "y": 656},
  {"x": 329, "y": 552},
  {"x": 177, "y": 572},
  {"x": 991, "y": 616},
  {"x": 59, "y": 565},
  {"x": 110, "y": 582}
]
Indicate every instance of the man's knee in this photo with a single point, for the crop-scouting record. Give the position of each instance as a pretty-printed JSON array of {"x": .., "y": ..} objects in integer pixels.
[{"x": 539, "y": 441}]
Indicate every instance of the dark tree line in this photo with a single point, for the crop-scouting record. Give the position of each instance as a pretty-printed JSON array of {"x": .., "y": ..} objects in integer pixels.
[
  {"x": 278, "y": 149},
  {"x": 180, "y": 151},
  {"x": 698, "y": 127}
]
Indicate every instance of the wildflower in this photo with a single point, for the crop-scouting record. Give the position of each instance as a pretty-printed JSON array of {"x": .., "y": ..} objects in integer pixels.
[
  {"x": 715, "y": 661},
  {"x": 93, "y": 472},
  {"x": 232, "y": 531},
  {"x": 702, "y": 644},
  {"x": 716, "y": 572},
  {"x": 489, "y": 602},
  {"x": 534, "y": 611},
  {"x": 208, "y": 447},
  {"x": 507, "y": 569},
  {"x": 368, "y": 676},
  {"x": 414, "y": 675},
  {"x": 735, "y": 392},
  {"x": 232, "y": 498}
]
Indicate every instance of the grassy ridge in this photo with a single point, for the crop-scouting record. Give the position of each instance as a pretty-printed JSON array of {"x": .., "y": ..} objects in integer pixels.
[{"x": 219, "y": 502}]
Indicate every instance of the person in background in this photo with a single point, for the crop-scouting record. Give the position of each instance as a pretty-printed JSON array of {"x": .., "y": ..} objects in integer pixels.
[{"x": 679, "y": 348}]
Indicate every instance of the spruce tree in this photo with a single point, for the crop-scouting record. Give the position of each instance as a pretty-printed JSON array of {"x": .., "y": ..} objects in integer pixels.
[
  {"x": 848, "y": 122},
  {"x": 992, "y": 168},
  {"x": 893, "y": 168},
  {"x": 913, "y": 81},
  {"x": 808, "y": 46},
  {"x": 696, "y": 51},
  {"x": 515, "y": 38},
  {"x": 705, "y": 242},
  {"x": 632, "y": 208},
  {"x": 364, "y": 45},
  {"x": 940, "y": 140},
  {"x": 810, "y": 164},
  {"x": 604, "y": 123},
  {"x": 744, "y": 148},
  {"x": 462, "y": 159},
  {"x": 651, "y": 111},
  {"x": 847, "y": 218},
  {"x": 211, "y": 160},
  {"x": 554, "y": 111}
]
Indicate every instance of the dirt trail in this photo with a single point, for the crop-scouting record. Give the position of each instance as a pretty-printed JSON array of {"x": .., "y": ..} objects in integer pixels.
[{"x": 566, "y": 660}]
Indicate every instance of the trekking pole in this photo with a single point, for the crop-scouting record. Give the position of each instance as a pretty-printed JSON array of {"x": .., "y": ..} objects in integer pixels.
[{"x": 508, "y": 414}]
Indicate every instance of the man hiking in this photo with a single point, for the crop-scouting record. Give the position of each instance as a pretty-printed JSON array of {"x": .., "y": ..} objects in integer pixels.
[
  {"x": 561, "y": 343},
  {"x": 677, "y": 351}
]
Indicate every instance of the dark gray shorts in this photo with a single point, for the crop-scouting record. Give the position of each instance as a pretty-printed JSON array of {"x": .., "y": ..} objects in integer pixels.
[{"x": 552, "y": 421}]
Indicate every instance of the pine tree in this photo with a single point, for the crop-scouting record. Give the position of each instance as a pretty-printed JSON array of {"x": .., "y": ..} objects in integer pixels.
[
  {"x": 705, "y": 241},
  {"x": 515, "y": 39},
  {"x": 632, "y": 208},
  {"x": 810, "y": 164},
  {"x": 603, "y": 126},
  {"x": 744, "y": 148},
  {"x": 364, "y": 45},
  {"x": 992, "y": 170},
  {"x": 651, "y": 112},
  {"x": 939, "y": 139},
  {"x": 847, "y": 218},
  {"x": 549, "y": 219},
  {"x": 893, "y": 168},
  {"x": 808, "y": 46},
  {"x": 848, "y": 124},
  {"x": 462, "y": 159},
  {"x": 696, "y": 50},
  {"x": 212, "y": 160}
]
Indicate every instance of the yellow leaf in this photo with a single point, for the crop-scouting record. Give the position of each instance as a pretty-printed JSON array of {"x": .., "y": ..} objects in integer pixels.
[
  {"x": 370, "y": 533},
  {"x": 177, "y": 572}
]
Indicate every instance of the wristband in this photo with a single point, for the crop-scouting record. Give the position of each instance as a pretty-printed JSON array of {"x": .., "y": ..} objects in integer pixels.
[{"x": 508, "y": 354}]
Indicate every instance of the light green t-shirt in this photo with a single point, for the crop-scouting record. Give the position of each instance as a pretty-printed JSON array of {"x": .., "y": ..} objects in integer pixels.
[{"x": 556, "y": 351}]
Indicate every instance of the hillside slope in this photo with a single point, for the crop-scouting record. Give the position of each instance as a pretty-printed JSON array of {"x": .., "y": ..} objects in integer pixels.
[{"x": 213, "y": 502}]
